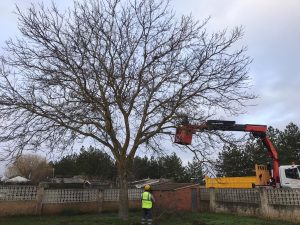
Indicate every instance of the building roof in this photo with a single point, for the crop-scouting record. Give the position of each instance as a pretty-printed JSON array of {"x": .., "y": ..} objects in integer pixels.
[
  {"x": 142, "y": 183},
  {"x": 17, "y": 179},
  {"x": 4, "y": 178},
  {"x": 71, "y": 180},
  {"x": 172, "y": 186}
]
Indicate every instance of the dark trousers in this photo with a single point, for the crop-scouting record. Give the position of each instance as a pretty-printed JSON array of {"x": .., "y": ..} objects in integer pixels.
[{"x": 147, "y": 217}]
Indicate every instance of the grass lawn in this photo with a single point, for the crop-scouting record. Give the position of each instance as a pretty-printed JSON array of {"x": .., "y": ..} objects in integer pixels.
[{"x": 111, "y": 219}]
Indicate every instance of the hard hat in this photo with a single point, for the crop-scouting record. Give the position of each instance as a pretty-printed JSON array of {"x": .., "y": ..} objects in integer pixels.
[{"x": 147, "y": 187}]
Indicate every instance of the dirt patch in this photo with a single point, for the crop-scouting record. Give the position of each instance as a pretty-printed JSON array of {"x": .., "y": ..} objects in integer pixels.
[{"x": 198, "y": 223}]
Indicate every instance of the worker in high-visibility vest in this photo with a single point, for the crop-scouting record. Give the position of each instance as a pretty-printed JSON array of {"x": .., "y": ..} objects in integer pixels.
[{"x": 147, "y": 203}]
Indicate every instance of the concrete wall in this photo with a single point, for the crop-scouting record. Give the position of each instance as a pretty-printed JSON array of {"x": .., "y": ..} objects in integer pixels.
[
  {"x": 281, "y": 204},
  {"x": 86, "y": 207},
  {"x": 204, "y": 206},
  {"x": 112, "y": 206},
  {"x": 67, "y": 208},
  {"x": 9, "y": 208},
  {"x": 62, "y": 201}
]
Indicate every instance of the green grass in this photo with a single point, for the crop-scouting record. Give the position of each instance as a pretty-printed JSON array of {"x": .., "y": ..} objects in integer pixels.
[{"x": 169, "y": 219}]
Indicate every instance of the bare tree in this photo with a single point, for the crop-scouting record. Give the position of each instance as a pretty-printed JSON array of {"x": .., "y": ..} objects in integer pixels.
[
  {"x": 30, "y": 166},
  {"x": 116, "y": 71}
]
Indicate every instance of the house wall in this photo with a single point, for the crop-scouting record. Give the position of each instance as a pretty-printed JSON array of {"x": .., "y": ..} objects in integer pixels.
[
  {"x": 184, "y": 200},
  {"x": 164, "y": 200},
  {"x": 175, "y": 200}
]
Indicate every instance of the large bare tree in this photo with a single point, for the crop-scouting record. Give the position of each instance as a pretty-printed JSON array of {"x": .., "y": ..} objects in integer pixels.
[{"x": 116, "y": 71}]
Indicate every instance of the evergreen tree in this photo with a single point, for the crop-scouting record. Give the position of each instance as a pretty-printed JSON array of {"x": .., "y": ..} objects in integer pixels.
[
  {"x": 95, "y": 163},
  {"x": 91, "y": 162},
  {"x": 66, "y": 167},
  {"x": 240, "y": 160},
  {"x": 140, "y": 168},
  {"x": 233, "y": 161},
  {"x": 173, "y": 168},
  {"x": 169, "y": 167},
  {"x": 194, "y": 172},
  {"x": 289, "y": 147}
]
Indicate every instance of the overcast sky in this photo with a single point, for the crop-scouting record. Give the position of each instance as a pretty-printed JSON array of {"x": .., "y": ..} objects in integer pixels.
[{"x": 272, "y": 35}]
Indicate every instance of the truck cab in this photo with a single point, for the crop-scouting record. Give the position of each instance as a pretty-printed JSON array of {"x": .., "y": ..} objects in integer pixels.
[{"x": 289, "y": 176}]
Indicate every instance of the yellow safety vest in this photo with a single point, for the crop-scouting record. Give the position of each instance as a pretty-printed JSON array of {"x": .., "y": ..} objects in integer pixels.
[{"x": 146, "y": 200}]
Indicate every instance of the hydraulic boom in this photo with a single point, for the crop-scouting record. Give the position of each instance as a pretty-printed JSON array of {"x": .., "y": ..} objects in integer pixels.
[{"x": 185, "y": 132}]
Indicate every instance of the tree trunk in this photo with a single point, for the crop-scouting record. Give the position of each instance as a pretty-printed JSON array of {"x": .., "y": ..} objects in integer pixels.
[{"x": 123, "y": 199}]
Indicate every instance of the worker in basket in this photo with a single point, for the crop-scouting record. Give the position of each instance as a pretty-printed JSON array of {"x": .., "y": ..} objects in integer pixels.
[{"x": 147, "y": 203}]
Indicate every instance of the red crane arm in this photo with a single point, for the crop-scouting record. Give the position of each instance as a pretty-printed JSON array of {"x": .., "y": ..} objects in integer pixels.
[
  {"x": 185, "y": 132},
  {"x": 273, "y": 153}
]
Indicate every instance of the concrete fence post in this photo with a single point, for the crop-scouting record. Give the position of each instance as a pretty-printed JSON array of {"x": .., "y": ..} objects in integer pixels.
[
  {"x": 100, "y": 201},
  {"x": 212, "y": 200},
  {"x": 39, "y": 200},
  {"x": 264, "y": 207}
]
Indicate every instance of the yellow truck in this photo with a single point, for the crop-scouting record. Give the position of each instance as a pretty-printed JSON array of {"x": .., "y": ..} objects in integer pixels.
[{"x": 262, "y": 178}]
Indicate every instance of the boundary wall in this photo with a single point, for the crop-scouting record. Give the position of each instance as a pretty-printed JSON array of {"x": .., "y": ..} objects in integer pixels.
[
  {"x": 32, "y": 200},
  {"x": 280, "y": 203}
]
